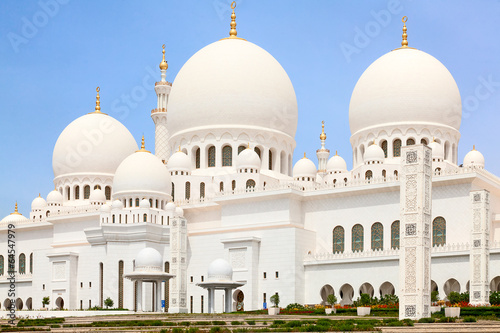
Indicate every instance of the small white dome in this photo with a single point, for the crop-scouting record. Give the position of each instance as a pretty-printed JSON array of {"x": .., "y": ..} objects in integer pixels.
[
  {"x": 248, "y": 158},
  {"x": 97, "y": 196},
  {"x": 336, "y": 164},
  {"x": 220, "y": 270},
  {"x": 474, "y": 158},
  {"x": 117, "y": 204},
  {"x": 437, "y": 150},
  {"x": 106, "y": 208},
  {"x": 15, "y": 217},
  {"x": 374, "y": 154},
  {"x": 148, "y": 259},
  {"x": 144, "y": 204},
  {"x": 304, "y": 168},
  {"x": 93, "y": 143},
  {"x": 55, "y": 198},
  {"x": 170, "y": 207},
  {"x": 38, "y": 203},
  {"x": 179, "y": 212},
  {"x": 179, "y": 162},
  {"x": 144, "y": 173}
]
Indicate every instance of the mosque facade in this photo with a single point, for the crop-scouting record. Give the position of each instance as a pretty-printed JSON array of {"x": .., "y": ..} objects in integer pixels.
[{"x": 221, "y": 185}]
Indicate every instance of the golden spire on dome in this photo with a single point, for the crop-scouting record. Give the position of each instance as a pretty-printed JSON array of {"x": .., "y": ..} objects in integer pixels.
[
  {"x": 179, "y": 149},
  {"x": 232, "y": 33},
  {"x": 323, "y": 135},
  {"x": 39, "y": 195},
  {"x": 98, "y": 102},
  {"x": 143, "y": 147},
  {"x": 163, "y": 63},
  {"x": 336, "y": 153},
  {"x": 304, "y": 155},
  {"x": 15, "y": 211},
  {"x": 404, "y": 43},
  {"x": 248, "y": 146},
  {"x": 473, "y": 147}
]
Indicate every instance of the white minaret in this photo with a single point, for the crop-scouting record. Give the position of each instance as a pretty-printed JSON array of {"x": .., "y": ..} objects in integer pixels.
[
  {"x": 159, "y": 114},
  {"x": 322, "y": 153}
]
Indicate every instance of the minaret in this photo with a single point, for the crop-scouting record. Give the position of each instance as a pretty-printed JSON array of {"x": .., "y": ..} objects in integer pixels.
[
  {"x": 159, "y": 115},
  {"x": 322, "y": 153}
]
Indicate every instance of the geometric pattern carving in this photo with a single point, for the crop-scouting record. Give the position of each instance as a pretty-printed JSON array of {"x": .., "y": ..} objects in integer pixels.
[
  {"x": 59, "y": 270},
  {"x": 411, "y": 157},
  {"x": 477, "y": 294},
  {"x": 411, "y": 229},
  {"x": 477, "y": 243},
  {"x": 410, "y": 311},
  {"x": 477, "y": 197},
  {"x": 411, "y": 267},
  {"x": 237, "y": 258}
]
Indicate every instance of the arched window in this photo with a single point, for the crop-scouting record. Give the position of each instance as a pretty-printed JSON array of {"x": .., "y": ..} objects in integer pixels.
[
  {"x": 257, "y": 150},
  {"x": 197, "y": 158},
  {"x": 31, "y": 263},
  {"x": 97, "y": 187},
  {"x": 227, "y": 156},
  {"x": 113, "y": 218},
  {"x": 241, "y": 148},
  {"x": 357, "y": 238},
  {"x": 86, "y": 192},
  {"x": 137, "y": 202},
  {"x": 396, "y": 148},
  {"x": 77, "y": 192},
  {"x": 107, "y": 192},
  {"x": 221, "y": 186},
  {"x": 377, "y": 236},
  {"x": 270, "y": 160},
  {"x": 120, "y": 284},
  {"x": 22, "y": 264},
  {"x": 384, "y": 174},
  {"x": 188, "y": 190},
  {"x": 423, "y": 141},
  {"x": 396, "y": 173},
  {"x": 167, "y": 287},
  {"x": 438, "y": 231},
  {"x": 250, "y": 184},
  {"x": 130, "y": 202},
  {"x": 384, "y": 147},
  {"x": 368, "y": 175},
  {"x": 202, "y": 190},
  {"x": 338, "y": 239},
  {"x": 173, "y": 191},
  {"x": 1, "y": 266},
  {"x": 395, "y": 235},
  {"x": 211, "y": 156},
  {"x": 68, "y": 193},
  {"x": 233, "y": 184},
  {"x": 145, "y": 217},
  {"x": 410, "y": 142}
]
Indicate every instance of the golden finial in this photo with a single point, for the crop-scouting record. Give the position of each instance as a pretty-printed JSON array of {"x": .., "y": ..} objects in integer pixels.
[
  {"x": 323, "y": 135},
  {"x": 39, "y": 195},
  {"x": 143, "y": 147},
  {"x": 179, "y": 149},
  {"x": 97, "y": 102},
  {"x": 336, "y": 153},
  {"x": 404, "y": 43},
  {"x": 304, "y": 155},
  {"x": 163, "y": 64},
  {"x": 248, "y": 146},
  {"x": 473, "y": 147},
  {"x": 232, "y": 32},
  {"x": 15, "y": 211}
]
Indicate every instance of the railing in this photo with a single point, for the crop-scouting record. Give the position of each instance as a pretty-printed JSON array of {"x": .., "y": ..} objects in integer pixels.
[
  {"x": 158, "y": 110},
  {"x": 163, "y": 83},
  {"x": 75, "y": 210}
]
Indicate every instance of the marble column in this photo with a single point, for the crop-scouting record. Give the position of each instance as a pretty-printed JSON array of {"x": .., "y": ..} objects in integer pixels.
[
  {"x": 158, "y": 296},
  {"x": 227, "y": 299},
  {"x": 211, "y": 300},
  {"x": 139, "y": 296},
  {"x": 415, "y": 252}
]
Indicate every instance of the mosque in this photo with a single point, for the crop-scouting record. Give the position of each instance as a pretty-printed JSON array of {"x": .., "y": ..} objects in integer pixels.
[{"x": 219, "y": 205}]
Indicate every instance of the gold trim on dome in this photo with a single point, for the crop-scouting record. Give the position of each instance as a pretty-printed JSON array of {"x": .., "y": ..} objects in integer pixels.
[
  {"x": 163, "y": 63},
  {"x": 143, "y": 147},
  {"x": 15, "y": 211},
  {"x": 304, "y": 155},
  {"x": 323, "y": 135},
  {"x": 233, "y": 34},
  {"x": 97, "y": 102}
]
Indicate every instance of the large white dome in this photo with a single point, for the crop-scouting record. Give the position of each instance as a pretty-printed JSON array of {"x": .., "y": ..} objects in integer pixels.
[
  {"x": 140, "y": 173},
  {"x": 92, "y": 144},
  {"x": 232, "y": 83},
  {"x": 405, "y": 87}
]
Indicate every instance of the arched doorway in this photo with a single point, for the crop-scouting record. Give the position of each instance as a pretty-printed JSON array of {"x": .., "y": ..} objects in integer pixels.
[
  {"x": 239, "y": 297},
  {"x": 467, "y": 286},
  {"x": 434, "y": 286},
  {"x": 495, "y": 284},
  {"x": 19, "y": 304},
  {"x": 451, "y": 285},
  {"x": 29, "y": 304},
  {"x": 325, "y": 291},
  {"x": 387, "y": 288},
  {"x": 7, "y": 304},
  {"x": 366, "y": 288},
  {"x": 60, "y": 303},
  {"x": 346, "y": 294}
]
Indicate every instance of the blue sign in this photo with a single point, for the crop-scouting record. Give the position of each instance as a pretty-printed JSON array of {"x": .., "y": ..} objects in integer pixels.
[{"x": 162, "y": 303}]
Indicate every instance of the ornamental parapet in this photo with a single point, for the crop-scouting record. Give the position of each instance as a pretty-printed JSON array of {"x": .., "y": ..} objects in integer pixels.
[
  {"x": 76, "y": 210},
  {"x": 163, "y": 83},
  {"x": 158, "y": 110}
]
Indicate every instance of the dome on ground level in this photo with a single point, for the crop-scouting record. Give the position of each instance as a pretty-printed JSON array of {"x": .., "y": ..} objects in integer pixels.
[
  {"x": 437, "y": 150},
  {"x": 179, "y": 161},
  {"x": 232, "y": 83},
  {"x": 304, "y": 168},
  {"x": 142, "y": 172},
  {"x": 54, "y": 198},
  {"x": 336, "y": 163},
  {"x": 474, "y": 158},
  {"x": 248, "y": 158},
  {"x": 405, "y": 86},
  {"x": 374, "y": 154},
  {"x": 38, "y": 203},
  {"x": 93, "y": 143},
  {"x": 148, "y": 259},
  {"x": 220, "y": 270}
]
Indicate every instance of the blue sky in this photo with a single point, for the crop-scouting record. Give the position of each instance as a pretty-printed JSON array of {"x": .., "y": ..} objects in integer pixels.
[{"x": 54, "y": 56}]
